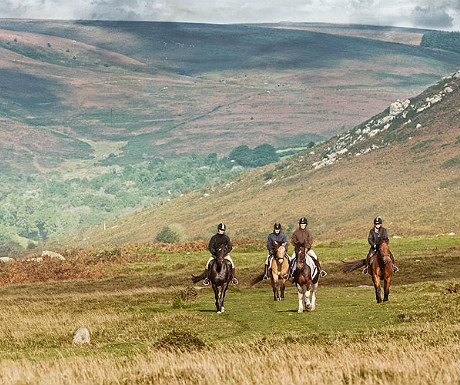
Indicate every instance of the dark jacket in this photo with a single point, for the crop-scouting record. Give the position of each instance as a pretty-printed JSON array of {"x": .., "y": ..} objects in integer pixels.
[
  {"x": 217, "y": 241},
  {"x": 302, "y": 237},
  {"x": 376, "y": 237},
  {"x": 272, "y": 237}
]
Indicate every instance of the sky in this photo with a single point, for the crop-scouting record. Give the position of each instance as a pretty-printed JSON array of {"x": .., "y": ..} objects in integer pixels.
[{"x": 432, "y": 14}]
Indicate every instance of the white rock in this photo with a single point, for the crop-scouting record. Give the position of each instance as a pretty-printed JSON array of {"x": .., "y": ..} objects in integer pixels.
[
  {"x": 52, "y": 254},
  {"x": 81, "y": 337},
  {"x": 6, "y": 259}
]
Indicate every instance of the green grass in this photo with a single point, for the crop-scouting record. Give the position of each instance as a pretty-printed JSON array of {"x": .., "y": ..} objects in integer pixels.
[{"x": 152, "y": 326}]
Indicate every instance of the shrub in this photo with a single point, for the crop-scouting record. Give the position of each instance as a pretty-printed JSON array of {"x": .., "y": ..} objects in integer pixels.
[
  {"x": 184, "y": 297},
  {"x": 178, "y": 339}
]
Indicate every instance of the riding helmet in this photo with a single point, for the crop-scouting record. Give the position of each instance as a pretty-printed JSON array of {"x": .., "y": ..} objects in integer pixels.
[
  {"x": 277, "y": 226},
  {"x": 303, "y": 221},
  {"x": 221, "y": 226},
  {"x": 378, "y": 221}
]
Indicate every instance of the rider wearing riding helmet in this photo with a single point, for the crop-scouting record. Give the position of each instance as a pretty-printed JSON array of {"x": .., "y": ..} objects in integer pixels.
[
  {"x": 216, "y": 242},
  {"x": 275, "y": 236},
  {"x": 378, "y": 234},
  {"x": 303, "y": 237}
]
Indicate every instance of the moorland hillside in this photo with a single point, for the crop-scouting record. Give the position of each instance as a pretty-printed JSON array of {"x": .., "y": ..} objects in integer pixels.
[
  {"x": 402, "y": 164},
  {"x": 166, "y": 89}
]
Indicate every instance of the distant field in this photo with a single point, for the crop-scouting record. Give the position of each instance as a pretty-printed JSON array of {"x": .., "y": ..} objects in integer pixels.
[{"x": 149, "y": 325}]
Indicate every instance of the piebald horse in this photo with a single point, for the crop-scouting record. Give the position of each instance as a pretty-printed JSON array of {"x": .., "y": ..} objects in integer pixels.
[
  {"x": 306, "y": 277},
  {"x": 380, "y": 269}
]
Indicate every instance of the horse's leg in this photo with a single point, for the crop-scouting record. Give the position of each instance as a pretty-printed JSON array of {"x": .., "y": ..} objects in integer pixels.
[
  {"x": 386, "y": 286},
  {"x": 378, "y": 294},
  {"x": 300, "y": 295},
  {"x": 223, "y": 290},
  {"x": 216, "y": 295},
  {"x": 314, "y": 287},
  {"x": 283, "y": 286},
  {"x": 274, "y": 281},
  {"x": 307, "y": 300}
]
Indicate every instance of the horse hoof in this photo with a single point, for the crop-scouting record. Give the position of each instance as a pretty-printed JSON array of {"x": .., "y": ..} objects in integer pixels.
[
  {"x": 219, "y": 312},
  {"x": 222, "y": 310},
  {"x": 308, "y": 308},
  {"x": 300, "y": 311}
]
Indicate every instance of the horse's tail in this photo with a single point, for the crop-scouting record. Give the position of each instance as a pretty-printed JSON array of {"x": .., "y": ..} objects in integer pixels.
[
  {"x": 256, "y": 279},
  {"x": 196, "y": 278},
  {"x": 352, "y": 265}
]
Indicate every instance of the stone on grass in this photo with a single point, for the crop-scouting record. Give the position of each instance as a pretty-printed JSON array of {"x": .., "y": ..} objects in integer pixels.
[{"x": 81, "y": 337}]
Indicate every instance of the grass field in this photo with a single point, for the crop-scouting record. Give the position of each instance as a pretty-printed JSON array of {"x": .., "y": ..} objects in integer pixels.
[{"x": 148, "y": 324}]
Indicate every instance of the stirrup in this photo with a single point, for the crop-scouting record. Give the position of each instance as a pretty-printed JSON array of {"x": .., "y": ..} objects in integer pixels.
[
  {"x": 395, "y": 269},
  {"x": 365, "y": 270},
  {"x": 206, "y": 282},
  {"x": 322, "y": 273},
  {"x": 265, "y": 277},
  {"x": 234, "y": 281}
]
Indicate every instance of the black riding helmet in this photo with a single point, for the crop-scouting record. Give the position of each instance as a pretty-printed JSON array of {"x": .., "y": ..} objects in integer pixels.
[
  {"x": 378, "y": 221},
  {"x": 221, "y": 226},
  {"x": 277, "y": 226},
  {"x": 303, "y": 221}
]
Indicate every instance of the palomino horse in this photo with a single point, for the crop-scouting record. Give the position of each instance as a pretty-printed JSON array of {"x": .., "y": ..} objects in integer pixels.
[
  {"x": 220, "y": 274},
  {"x": 305, "y": 281},
  {"x": 279, "y": 271},
  {"x": 380, "y": 269}
]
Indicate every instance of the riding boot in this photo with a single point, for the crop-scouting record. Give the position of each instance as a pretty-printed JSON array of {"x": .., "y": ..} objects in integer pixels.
[
  {"x": 234, "y": 279},
  {"x": 368, "y": 261},
  {"x": 206, "y": 279},
  {"x": 265, "y": 277},
  {"x": 395, "y": 268},
  {"x": 322, "y": 273}
]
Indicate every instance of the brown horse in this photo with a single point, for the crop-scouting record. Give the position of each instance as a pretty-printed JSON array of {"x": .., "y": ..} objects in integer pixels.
[
  {"x": 305, "y": 281},
  {"x": 279, "y": 271},
  {"x": 380, "y": 269}
]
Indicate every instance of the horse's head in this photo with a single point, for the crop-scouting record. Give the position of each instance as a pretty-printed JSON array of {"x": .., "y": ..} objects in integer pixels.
[
  {"x": 302, "y": 255},
  {"x": 279, "y": 250},
  {"x": 220, "y": 254},
  {"x": 384, "y": 252}
]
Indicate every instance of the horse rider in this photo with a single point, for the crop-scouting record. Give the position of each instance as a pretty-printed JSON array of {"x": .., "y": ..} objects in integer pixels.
[
  {"x": 216, "y": 242},
  {"x": 303, "y": 236},
  {"x": 275, "y": 236},
  {"x": 377, "y": 235}
]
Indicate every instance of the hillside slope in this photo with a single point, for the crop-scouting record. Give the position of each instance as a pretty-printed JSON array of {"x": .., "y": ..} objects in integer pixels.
[
  {"x": 402, "y": 164},
  {"x": 168, "y": 89}
]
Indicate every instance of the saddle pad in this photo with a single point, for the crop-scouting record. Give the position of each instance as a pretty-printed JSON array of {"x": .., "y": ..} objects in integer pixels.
[{"x": 311, "y": 264}]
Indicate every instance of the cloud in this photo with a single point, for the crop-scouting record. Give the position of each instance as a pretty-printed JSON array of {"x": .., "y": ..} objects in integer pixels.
[
  {"x": 409, "y": 13},
  {"x": 431, "y": 17}
]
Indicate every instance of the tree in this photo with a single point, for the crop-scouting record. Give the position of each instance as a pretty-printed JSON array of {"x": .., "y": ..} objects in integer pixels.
[
  {"x": 167, "y": 235},
  {"x": 211, "y": 159}
]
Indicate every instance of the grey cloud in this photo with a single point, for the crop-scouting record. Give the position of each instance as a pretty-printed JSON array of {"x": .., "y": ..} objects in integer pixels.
[{"x": 431, "y": 17}]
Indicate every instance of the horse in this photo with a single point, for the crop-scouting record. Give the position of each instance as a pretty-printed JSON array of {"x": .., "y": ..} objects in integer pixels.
[
  {"x": 220, "y": 275},
  {"x": 380, "y": 269},
  {"x": 306, "y": 277},
  {"x": 279, "y": 271}
]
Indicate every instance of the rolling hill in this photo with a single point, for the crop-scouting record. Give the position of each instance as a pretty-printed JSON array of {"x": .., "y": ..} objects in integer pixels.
[
  {"x": 402, "y": 164},
  {"x": 150, "y": 89}
]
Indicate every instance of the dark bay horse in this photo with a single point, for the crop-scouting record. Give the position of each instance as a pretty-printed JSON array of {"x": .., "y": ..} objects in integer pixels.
[
  {"x": 305, "y": 281},
  {"x": 380, "y": 269},
  {"x": 220, "y": 275},
  {"x": 279, "y": 271}
]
